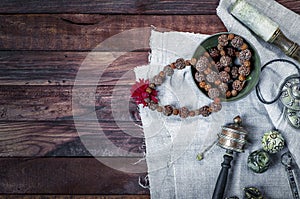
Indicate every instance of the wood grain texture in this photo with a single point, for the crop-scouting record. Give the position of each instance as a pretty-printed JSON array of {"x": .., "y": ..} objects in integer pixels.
[
  {"x": 61, "y": 68},
  {"x": 60, "y": 103},
  {"x": 36, "y": 87},
  {"x": 74, "y": 196},
  {"x": 32, "y": 139},
  {"x": 181, "y": 7},
  {"x": 66, "y": 176},
  {"x": 83, "y": 32},
  {"x": 111, "y": 7}
]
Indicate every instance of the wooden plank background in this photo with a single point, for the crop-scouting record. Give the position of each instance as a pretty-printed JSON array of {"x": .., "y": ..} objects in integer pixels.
[{"x": 42, "y": 46}]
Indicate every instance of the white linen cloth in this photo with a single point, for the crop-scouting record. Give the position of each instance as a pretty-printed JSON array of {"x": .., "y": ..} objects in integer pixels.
[{"x": 172, "y": 143}]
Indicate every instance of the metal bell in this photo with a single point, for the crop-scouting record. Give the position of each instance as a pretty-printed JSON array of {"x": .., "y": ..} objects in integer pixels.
[{"x": 290, "y": 98}]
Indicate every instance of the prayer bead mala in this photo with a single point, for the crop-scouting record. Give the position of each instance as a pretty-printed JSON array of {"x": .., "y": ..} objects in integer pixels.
[{"x": 144, "y": 92}]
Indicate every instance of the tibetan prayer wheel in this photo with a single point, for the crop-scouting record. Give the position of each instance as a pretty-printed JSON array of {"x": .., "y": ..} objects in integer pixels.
[{"x": 232, "y": 138}]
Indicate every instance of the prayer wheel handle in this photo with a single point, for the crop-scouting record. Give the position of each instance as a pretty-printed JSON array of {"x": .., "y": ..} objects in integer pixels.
[{"x": 222, "y": 179}]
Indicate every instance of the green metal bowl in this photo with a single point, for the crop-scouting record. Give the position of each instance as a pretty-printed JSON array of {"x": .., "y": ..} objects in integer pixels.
[{"x": 252, "y": 78}]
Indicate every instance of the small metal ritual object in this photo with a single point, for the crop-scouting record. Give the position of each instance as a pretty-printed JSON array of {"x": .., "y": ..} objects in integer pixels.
[
  {"x": 288, "y": 162},
  {"x": 232, "y": 138},
  {"x": 259, "y": 161},
  {"x": 290, "y": 98},
  {"x": 272, "y": 141},
  {"x": 252, "y": 193}
]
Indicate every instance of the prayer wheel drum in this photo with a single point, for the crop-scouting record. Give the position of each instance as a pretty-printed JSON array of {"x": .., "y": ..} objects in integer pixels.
[{"x": 233, "y": 136}]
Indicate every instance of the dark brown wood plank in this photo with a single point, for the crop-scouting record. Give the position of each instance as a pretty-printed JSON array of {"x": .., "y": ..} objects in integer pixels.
[
  {"x": 38, "y": 85},
  {"x": 51, "y": 100},
  {"x": 75, "y": 196},
  {"x": 110, "y": 6},
  {"x": 67, "y": 176},
  {"x": 61, "y": 68},
  {"x": 83, "y": 32},
  {"x": 121, "y": 7},
  {"x": 32, "y": 139},
  {"x": 54, "y": 103}
]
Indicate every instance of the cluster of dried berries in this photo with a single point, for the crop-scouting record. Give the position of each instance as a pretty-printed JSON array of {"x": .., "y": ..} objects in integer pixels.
[
  {"x": 223, "y": 69},
  {"x": 144, "y": 92}
]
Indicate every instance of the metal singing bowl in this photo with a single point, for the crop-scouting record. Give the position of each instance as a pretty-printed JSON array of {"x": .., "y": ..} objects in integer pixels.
[{"x": 253, "y": 77}]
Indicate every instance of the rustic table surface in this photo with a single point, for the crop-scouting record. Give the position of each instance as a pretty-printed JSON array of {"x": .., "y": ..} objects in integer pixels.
[{"x": 43, "y": 44}]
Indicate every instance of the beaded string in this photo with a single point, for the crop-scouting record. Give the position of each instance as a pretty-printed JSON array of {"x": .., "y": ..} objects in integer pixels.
[
  {"x": 150, "y": 93},
  {"x": 217, "y": 74}
]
